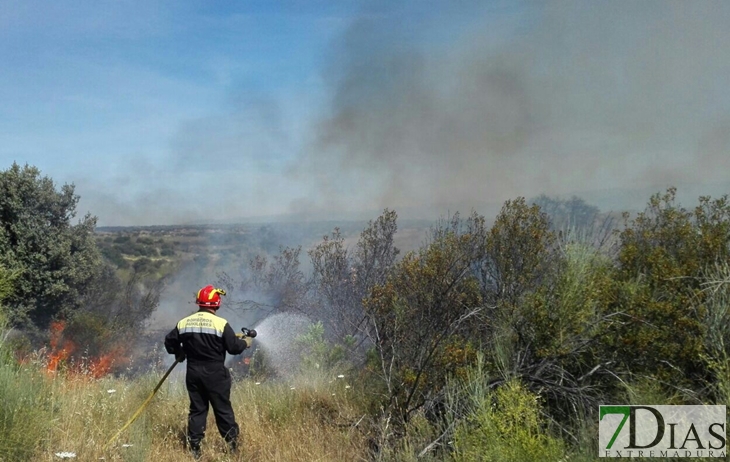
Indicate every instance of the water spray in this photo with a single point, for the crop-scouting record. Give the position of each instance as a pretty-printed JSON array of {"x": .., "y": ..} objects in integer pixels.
[
  {"x": 278, "y": 342},
  {"x": 246, "y": 332}
]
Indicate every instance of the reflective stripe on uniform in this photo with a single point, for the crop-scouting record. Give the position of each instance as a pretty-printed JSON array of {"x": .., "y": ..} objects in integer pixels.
[
  {"x": 202, "y": 322},
  {"x": 200, "y": 330}
]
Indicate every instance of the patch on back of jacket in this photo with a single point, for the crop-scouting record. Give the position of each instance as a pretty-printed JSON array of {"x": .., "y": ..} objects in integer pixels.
[{"x": 202, "y": 323}]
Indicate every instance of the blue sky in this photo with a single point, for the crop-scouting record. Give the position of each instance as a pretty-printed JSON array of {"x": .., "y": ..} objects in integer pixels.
[{"x": 167, "y": 112}]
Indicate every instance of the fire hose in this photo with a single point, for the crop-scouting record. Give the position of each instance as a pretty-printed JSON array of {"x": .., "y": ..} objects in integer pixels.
[
  {"x": 246, "y": 332},
  {"x": 144, "y": 405}
]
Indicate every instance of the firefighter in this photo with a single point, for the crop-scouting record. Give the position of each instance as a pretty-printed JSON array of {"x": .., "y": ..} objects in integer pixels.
[{"x": 204, "y": 338}]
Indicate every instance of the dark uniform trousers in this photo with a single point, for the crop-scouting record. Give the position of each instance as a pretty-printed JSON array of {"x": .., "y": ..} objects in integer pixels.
[
  {"x": 210, "y": 383},
  {"x": 204, "y": 339}
]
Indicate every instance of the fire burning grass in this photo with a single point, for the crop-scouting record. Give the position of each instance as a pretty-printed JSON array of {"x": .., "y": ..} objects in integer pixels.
[
  {"x": 64, "y": 353},
  {"x": 277, "y": 423},
  {"x": 68, "y": 406}
]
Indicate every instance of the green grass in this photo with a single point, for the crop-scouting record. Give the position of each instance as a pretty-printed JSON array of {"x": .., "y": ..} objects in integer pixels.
[{"x": 25, "y": 410}]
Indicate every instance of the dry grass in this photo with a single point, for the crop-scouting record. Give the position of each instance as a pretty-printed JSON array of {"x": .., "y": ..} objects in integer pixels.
[{"x": 312, "y": 422}]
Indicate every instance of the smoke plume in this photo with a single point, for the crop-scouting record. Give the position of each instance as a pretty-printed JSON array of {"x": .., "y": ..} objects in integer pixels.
[
  {"x": 443, "y": 106},
  {"x": 556, "y": 98}
]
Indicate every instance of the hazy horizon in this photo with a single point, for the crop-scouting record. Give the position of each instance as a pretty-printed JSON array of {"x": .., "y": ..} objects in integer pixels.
[{"x": 178, "y": 113}]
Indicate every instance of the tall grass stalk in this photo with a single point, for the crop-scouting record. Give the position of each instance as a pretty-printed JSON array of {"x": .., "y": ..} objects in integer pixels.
[
  {"x": 25, "y": 407},
  {"x": 25, "y": 411},
  {"x": 717, "y": 287},
  {"x": 308, "y": 420}
]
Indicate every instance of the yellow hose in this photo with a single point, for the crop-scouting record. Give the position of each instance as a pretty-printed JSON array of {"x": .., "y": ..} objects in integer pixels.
[{"x": 141, "y": 408}]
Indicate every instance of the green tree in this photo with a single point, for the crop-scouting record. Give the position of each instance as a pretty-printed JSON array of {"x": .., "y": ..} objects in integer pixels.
[
  {"x": 555, "y": 344},
  {"x": 417, "y": 316},
  {"x": 518, "y": 253},
  {"x": 568, "y": 213},
  {"x": 53, "y": 258},
  {"x": 548, "y": 300},
  {"x": 6, "y": 288},
  {"x": 341, "y": 278},
  {"x": 280, "y": 280},
  {"x": 663, "y": 254}
]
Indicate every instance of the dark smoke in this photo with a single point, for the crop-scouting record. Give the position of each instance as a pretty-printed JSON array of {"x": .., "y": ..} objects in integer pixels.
[
  {"x": 438, "y": 106},
  {"x": 553, "y": 97}
]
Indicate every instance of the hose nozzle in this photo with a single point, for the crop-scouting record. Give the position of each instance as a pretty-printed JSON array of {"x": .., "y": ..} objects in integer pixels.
[{"x": 248, "y": 332}]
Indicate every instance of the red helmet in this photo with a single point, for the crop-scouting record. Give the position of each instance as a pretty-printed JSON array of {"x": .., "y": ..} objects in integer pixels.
[{"x": 209, "y": 297}]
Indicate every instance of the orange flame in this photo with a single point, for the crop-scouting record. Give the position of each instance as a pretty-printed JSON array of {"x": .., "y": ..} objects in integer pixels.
[
  {"x": 101, "y": 366},
  {"x": 62, "y": 349}
]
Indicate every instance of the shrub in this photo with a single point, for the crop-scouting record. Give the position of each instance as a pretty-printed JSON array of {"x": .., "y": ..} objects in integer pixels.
[
  {"x": 319, "y": 354},
  {"x": 505, "y": 425},
  {"x": 662, "y": 254},
  {"x": 121, "y": 239},
  {"x": 114, "y": 255}
]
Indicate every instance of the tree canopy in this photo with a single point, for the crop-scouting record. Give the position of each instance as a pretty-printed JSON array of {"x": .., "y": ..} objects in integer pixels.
[{"x": 53, "y": 259}]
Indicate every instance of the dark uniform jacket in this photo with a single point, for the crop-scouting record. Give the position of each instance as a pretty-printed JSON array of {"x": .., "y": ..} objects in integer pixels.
[{"x": 204, "y": 337}]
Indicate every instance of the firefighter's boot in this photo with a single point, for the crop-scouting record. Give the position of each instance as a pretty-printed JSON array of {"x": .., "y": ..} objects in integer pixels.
[
  {"x": 195, "y": 450},
  {"x": 232, "y": 446}
]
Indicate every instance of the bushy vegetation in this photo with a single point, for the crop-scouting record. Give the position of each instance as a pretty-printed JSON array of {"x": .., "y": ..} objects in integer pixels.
[
  {"x": 54, "y": 259},
  {"x": 55, "y": 275},
  {"x": 505, "y": 426},
  {"x": 564, "y": 316},
  {"x": 488, "y": 342}
]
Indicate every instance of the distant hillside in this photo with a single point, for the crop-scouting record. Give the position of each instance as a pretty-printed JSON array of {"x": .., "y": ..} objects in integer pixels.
[{"x": 161, "y": 250}]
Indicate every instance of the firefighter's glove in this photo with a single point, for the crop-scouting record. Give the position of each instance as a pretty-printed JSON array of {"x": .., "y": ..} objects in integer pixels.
[
  {"x": 180, "y": 356},
  {"x": 246, "y": 339}
]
